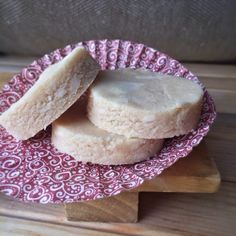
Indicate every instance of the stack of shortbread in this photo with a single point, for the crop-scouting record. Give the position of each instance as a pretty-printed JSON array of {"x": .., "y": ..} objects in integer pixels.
[{"x": 124, "y": 118}]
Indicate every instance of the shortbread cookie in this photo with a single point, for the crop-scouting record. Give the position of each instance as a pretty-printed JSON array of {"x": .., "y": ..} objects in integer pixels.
[
  {"x": 75, "y": 135},
  {"x": 57, "y": 88},
  {"x": 144, "y": 104}
]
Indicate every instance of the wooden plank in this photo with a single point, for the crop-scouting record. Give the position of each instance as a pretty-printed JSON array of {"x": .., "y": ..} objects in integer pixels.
[
  {"x": 213, "y": 70},
  {"x": 219, "y": 83},
  {"x": 224, "y": 154},
  {"x": 224, "y": 127},
  {"x": 221, "y": 142},
  {"x": 14, "y": 227},
  {"x": 4, "y": 77},
  {"x": 196, "y": 214},
  {"x": 54, "y": 214},
  {"x": 12, "y": 69},
  {"x": 16, "y": 61},
  {"x": 220, "y": 80},
  {"x": 120, "y": 208},
  {"x": 225, "y": 100},
  {"x": 159, "y": 213},
  {"x": 195, "y": 173}
]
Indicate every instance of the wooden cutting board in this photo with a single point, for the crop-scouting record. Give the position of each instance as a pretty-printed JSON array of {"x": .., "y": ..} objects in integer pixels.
[{"x": 196, "y": 173}]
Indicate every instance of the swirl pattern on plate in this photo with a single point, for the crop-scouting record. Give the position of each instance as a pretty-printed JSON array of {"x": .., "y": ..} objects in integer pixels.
[{"x": 34, "y": 171}]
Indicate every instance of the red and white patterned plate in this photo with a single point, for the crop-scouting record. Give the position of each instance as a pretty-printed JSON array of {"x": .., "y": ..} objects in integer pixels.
[{"x": 34, "y": 171}]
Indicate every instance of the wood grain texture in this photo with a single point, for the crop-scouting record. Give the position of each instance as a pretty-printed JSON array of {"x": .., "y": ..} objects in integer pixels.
[
  {"x": 54, "y": 214},
  {"x": 224, "y": 128},
  {"x": 195, "y": 173},
  {"x": 214, "y": 72},
  {"x": 197, "y": 214},
  {"x": 220, "y": 80},
  {"x": 225, "y": 100},
  {"x": 15, "y": 227},
  {"x": 224, "y": 154},
  {"x": 160, "y": 214},
  {"x": 120, "y": 208},
  {"x": 4, "y": 77},
  {"x": 16, "y": 61},
  {"x": 221, "y": 142}
]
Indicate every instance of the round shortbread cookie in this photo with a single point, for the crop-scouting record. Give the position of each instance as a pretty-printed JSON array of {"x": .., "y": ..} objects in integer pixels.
[
  {"x": 75, "y": 135},
  {"x": 144, "y": 104}
]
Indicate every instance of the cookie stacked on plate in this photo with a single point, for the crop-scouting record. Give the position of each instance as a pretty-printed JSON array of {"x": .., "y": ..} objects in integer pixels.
[{"x": 124, "y": 117}]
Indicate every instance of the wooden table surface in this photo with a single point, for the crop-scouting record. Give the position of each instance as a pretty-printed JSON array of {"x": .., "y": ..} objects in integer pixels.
[{"x": 160, "y": 213}]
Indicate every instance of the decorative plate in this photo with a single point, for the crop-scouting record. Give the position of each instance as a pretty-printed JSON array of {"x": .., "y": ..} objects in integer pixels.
[{"x": 34, "y": 171}]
